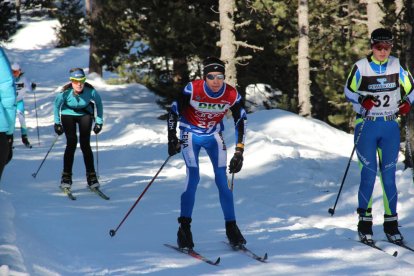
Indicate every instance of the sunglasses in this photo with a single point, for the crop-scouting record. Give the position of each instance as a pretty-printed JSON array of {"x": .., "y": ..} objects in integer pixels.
[
  {"x": 81, "y": 81},
  {"x": 213, "y": 77},
  {"x": 380, "y": 47}
]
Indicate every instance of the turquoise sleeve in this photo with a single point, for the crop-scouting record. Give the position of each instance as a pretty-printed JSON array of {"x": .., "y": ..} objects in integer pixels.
[
  {"x": 57, "y": 107},
  {"x": 99, "y": 107}
]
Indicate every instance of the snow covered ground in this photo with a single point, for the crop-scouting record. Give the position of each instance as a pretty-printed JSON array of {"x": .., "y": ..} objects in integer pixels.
[{"x": 291, "y": 175}]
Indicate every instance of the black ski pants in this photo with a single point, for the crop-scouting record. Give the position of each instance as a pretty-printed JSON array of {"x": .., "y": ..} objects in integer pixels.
[
  {"x": 4, "y": 152},
  {"x": 69, "y": 123}
]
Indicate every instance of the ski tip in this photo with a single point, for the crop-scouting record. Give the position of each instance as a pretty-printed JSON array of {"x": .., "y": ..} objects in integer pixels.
[
  {"x": 217, "y": 261},
  {"x": 265, "y": 257}
]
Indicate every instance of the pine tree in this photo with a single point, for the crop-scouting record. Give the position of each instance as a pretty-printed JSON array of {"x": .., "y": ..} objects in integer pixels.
[
  {"x": 336, "y": 43},
  {"x": 274, "y": 27},
  {"x": 40, "y": 7},
  {"x": 72, "y": 28},
  {"x": 8, "y": 25}
]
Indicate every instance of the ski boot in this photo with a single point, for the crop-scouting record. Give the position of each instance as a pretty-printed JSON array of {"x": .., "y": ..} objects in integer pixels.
[
  {"x": 234, "y": 235},
  {"x": 184, "y": 235},
  {"x": 66, "y": 180},
  {"x": 26, "y": 141},
  {"x": 391, "y": 229},
  {"x": 365, "y": 229},
  {"x": 92, "y": 180}
]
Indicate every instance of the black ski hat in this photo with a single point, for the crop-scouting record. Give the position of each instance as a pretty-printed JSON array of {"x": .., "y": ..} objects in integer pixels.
[
  {"x": 381, "y": 35},
  {"x": 213, "y": 64}
]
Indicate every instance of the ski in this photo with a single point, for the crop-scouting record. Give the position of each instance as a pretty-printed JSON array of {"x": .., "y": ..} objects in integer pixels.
[
  {"x": 401, "y": 244},
  {"x": 248, "y": 252},
  {"x": 68, "y": 192},
  {"x": 194, "y": 254},
  {"x": 99, "y": 193},
  {"x": 372, "y": 245}
]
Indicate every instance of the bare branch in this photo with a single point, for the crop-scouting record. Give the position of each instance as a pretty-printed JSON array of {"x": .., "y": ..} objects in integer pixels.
[
  {"x": 239, "y": 60},
  {"x": 214, "y": 24},
  {"x": 246, "y": 45},
  {"x": 211, "y": 8},
  {"x": 245, "y": 23},
  {"x": 360, "y": 21}
]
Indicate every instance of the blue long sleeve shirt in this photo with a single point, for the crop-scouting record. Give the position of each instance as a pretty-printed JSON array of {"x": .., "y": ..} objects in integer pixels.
[{"x": 69, "y": 103}]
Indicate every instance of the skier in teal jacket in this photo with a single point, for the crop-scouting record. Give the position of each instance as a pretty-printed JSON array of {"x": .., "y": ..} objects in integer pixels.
[
  {"x": 74, "y": 106},
  {"x": 7, "y": 110}
]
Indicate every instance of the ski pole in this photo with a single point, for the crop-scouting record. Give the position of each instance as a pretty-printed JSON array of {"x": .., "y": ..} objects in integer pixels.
[
  {"x": 97, "y": 156},
  {"x": 54, "y": 142},
  {"x": 332, "y": 210},
  {"x": 232, "y": 182},
  {"x": 37, "y": 122},
  {"x": 112, "y": 232}
]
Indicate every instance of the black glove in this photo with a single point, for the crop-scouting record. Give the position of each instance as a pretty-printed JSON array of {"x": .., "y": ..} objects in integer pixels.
[
  {"x": 34, "y": 85},
  {"x": 236, "y": 163},
  {"x": 174, "y": 145},
  {"x": 10, "y": 140},
  {"x": 59, "y": 129},
  {"x": 97, "y": 128}
]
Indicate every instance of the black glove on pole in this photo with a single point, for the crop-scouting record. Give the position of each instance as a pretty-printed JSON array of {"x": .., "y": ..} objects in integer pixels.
[
  {"x": 97, "y": 128},
  {"x": 59, "y": 129},
  {"x": 174, "y": 145},
  {"x": 236, "y": 163}
]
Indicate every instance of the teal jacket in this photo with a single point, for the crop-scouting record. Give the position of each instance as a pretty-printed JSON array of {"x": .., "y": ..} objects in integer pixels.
[
  {"x": 7, "y": 95},
  {"x": 67, "y": 103}
]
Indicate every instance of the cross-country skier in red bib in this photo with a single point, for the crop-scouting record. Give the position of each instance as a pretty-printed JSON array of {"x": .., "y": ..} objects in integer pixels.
[{"x": 200, "y": 110}]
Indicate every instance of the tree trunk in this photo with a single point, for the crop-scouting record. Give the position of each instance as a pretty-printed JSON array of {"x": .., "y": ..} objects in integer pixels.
[
  {"x": 409, "y": 59},
  {"x": 18, "y": 15},
  {"x": 303, "y": 61},
  {"x": 180, "y": 71},
  {"x": 374, "y": 14},
  {"x": 93, "y": 7},
  {"x": 228, "y": 39}
]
